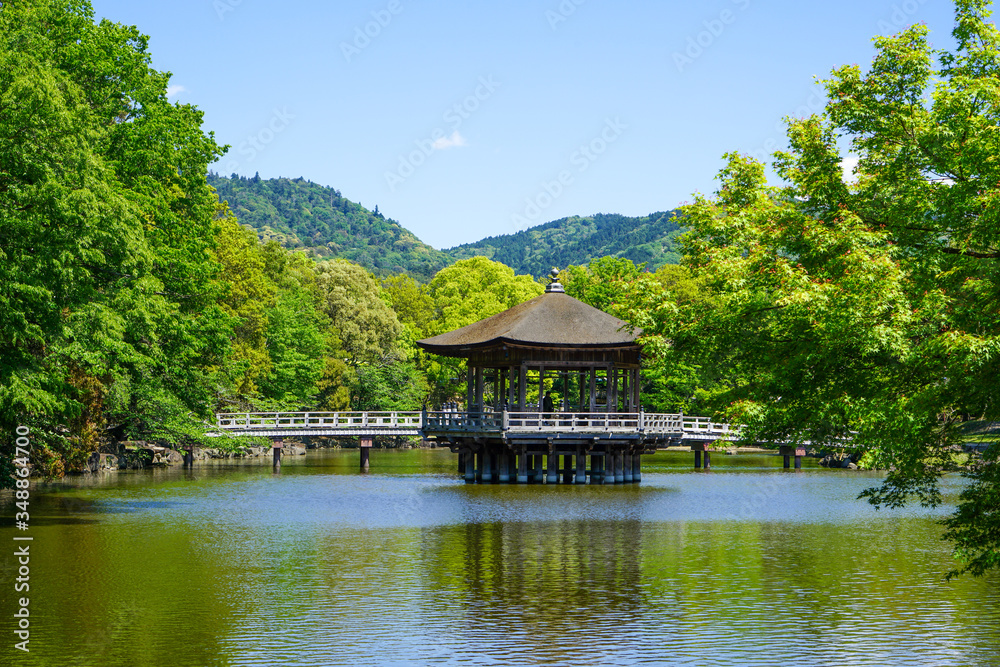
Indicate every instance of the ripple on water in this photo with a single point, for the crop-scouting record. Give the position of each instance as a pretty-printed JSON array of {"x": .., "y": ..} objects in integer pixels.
[{"x": 750, "y": 568}]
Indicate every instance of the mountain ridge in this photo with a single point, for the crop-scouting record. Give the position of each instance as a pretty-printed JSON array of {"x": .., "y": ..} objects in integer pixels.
[{"x": 301, "y": 214}]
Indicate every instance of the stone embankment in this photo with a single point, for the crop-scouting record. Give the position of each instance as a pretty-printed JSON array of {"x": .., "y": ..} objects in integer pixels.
[
  {"x": 138, "y": 454},
  {"x": 840, "y": 460}
]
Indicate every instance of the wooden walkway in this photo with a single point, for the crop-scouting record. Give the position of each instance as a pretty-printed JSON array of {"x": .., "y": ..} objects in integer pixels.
[{"x": 682, "y": 428}]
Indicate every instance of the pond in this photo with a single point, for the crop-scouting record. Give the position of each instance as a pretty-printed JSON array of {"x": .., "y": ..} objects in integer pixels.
[{"x": 232, "y": 564}]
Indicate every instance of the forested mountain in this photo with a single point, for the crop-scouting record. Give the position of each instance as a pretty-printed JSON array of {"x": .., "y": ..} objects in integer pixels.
[
  {"x": 301, "y": 214},
  {"x": 577, "y": 240}
]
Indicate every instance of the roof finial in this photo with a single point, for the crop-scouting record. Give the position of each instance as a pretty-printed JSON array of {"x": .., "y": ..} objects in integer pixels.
[{"x": 554, "y": 284}]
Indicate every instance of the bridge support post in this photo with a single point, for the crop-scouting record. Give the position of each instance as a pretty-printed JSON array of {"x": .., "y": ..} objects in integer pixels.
[
  {"x": 522, "y": 467},
  {"x": 608, "y": 465},
  {"x": 627, "y": 468},
  {"x": 461, "y": 463},
  {"x": 637, "y": 468},
  {"x": 698, "y": 448},
  {"x": 788, "y": 451},
  {"x": 567, "y": 469},
  {"x": 619, "y": 467},
  {"x": 552, "y": 474},
  {"x": 504, "y": 475},
  {"x": 470, "y": 468},
  {"x": 365, "y": 445},
  {"x": 276, "y": 454},
  {"x": 596, "y": 473},
  {"x": 486, "y": 466},
  {"x": 538, "y": 476},
  {"x": 581, "y": 466}
]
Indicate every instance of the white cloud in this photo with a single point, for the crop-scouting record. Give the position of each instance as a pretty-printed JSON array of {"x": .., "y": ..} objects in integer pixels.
[
  {"x": 847, "y": 166},
  {"x": 175, "y": 90},
  {"x": 456, "y": 140}
]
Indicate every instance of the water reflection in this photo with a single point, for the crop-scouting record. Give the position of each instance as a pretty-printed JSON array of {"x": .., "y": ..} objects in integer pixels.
[{"x": 319, "y": 565}]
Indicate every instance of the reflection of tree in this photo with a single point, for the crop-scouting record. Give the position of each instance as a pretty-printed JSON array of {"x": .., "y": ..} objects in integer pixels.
[{"x": 556, "y": 578}]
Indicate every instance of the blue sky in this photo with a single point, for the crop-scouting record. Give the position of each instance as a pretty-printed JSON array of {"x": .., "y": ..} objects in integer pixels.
[{"x": 463, "y": 120}]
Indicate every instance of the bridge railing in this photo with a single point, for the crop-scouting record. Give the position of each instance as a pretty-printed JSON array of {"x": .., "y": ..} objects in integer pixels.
[
  {"x": 490, "y": 421},
  {"x": 242, "y": 421},
  {"x": 704, "y": 425}
]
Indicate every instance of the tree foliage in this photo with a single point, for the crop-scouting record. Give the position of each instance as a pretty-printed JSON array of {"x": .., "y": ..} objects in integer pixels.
[{"x": 865, "y": 306}]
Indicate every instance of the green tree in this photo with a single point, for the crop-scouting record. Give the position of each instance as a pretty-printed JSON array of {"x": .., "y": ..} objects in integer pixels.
[
  {"x": 354, "y": 302},
  {"x": 110, "y": 324},
  {"x": 866, "y": 306},
  {"x": 410, "y": 300}
]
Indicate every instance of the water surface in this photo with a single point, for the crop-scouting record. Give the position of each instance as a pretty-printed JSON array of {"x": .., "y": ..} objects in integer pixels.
[{"x": 230, "y": 564}]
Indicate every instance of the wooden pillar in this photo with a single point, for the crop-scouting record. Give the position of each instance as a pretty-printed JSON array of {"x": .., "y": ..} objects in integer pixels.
[
  {"x": 461, "y": 462},
  {"x": 625, "y": 389},
  {"x": 365, "y": 445},
  {"x": 487, "y": 467},
  {"x": 612, "y": 390},
  {"x": 511, "y": 389},
  {"x": 609, "y": 465},
  {"x": 637, "y": 468},
  {"x": 627, "y": 468},
  {"x": 276, "y": 447},
  {"x": 698, "y": 448},
  {"x": 637, "y": 390},
  {"x": 581, "y": 466},
  {"x": 470, "y": 467},
  {"x": 522, "y": 467},
  {"x": 552, "y": 476},
  {"x": 479, "y": 389},
  {"x": 567, "y": 477},
  {"x": 788, "y": 451},
  {"x": 504, "y": 476},
  {"x": 538, "y": 476},
  {"x": 593, "y": 390},
  {"x": 500, "y": 390},
  {"x": 595, "y": 468},
  {"x": 619, "y": 467},
  {"x": 522, "y": 388},
  {"x": 470, "y": 387}
]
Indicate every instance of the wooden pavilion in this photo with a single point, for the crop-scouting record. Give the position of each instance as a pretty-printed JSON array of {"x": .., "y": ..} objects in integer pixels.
[{"x": 550, "y": 377}]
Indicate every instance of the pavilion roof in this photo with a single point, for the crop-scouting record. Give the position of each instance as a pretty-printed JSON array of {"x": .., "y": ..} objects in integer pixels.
[{"x": 552, "y": 320}]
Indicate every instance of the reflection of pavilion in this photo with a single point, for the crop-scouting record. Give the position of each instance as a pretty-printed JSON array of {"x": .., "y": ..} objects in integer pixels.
[{"x": 550, "y": 377}]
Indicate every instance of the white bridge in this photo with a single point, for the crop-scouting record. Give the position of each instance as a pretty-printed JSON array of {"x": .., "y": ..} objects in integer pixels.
[{"x": 287, "y": 424}]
